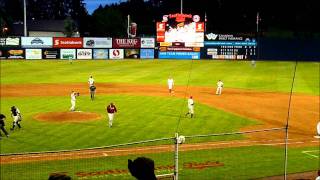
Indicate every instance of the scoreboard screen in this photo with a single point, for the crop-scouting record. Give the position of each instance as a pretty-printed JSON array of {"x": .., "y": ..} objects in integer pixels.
[
  {"x": 184, "y": 28},
  {"x": 226, "y": 46}
]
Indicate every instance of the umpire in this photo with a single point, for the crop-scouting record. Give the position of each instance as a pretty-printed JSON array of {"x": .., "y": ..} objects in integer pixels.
[{"x": 2, "y": 118}]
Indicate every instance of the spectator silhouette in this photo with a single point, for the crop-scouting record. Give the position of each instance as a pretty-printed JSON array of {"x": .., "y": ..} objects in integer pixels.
[
  {"x": 142, "y": 168},
  {"x": 59, "y": 176}
]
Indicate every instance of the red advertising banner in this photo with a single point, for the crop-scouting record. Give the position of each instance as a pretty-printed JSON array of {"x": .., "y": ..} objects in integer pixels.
[
  {"x": 200, "y": 27},
  {"x": 62, "y": 42},
  {"x": 126, "y": 43},
  {"x": 161, "y": 27}
]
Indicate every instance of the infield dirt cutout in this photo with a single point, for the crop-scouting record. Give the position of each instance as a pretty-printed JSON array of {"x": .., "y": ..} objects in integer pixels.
[
  {"x": 269, "y": 108},
  {"x": 75, "y": 116}
]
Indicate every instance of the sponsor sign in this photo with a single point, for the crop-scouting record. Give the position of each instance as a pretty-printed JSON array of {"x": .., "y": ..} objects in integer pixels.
[
  {"x": 147, "y": 42},
  {"x": 67, "y": 54},
  {"x": 33, "y": 54},
  {"x": 132, "y": 53},
  {"x": 223, "y": 37},
  {"x": 230, "y": 43},
  {"x": 177, "y": 49},
  {"x": 62, "y": 42},
  {"x": 100, "y": 53},
  {"x": 147, "y": 53},
  {"x": 9, "y": 41},
  {"x": 15, "y": 54},
  {"x": 30, "y": 42},
  {"x": 179, "y": 55},
  {"x": 194, "y": 44},
  {"x": 89, "y": 42},
  {"x": 126, "y": 43},
  {"x": 3, "y": 54},
  {"x": 51, "y": 53},
  {"x": 165, "y": 44},
  {"x": 116, "y": 53},
  {"x": 84, "y": 53}
]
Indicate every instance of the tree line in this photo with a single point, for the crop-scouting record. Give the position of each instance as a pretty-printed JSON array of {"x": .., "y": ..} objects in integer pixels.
[{"x": 223, "y": 16}]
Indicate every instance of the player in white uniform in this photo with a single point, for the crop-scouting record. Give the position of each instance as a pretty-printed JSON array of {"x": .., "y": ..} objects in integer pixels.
[
  {"x": 91, "y": 81},
  {"x": 73, "y": 100},
  {"x": 190, "y": 107},
  {"x": 92, "y": 87},
  {"x": 170, "y": 84},
  {"x": 219, "y": 87}
]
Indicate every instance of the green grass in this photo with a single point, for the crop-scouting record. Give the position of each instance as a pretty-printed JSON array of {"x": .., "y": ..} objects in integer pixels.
[
  {"x": 239, "y": 163},
  {"x": 139, "y": 118},
  {"x": 267, "y": 76},
  {"x": 142, "y": 118}
]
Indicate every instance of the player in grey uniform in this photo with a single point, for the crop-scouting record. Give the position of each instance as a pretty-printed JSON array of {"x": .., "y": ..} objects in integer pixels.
[
  {"x": 16, "y": 115},
  {"x": 92, "y": 87},
  {"x": 2, "y": 124}
]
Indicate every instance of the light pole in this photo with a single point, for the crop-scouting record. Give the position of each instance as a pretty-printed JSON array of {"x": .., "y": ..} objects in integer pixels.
[
  {"x": 181, "y": 7},
  {"x": 25, "y": 17}
]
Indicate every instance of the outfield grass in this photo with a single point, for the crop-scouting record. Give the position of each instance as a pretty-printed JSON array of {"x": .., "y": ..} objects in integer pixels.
[
  {"x": 266, "y": 76},
  {"x": 239, "y": 163}
]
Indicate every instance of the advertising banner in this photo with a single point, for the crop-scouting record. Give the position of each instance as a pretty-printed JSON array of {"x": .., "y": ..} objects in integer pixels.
[
  {"x": 100, "y": 53},
  {"x": 39, "y": 42},
  {"x": 179, "y": 55},
  {"x": 147, "y": 42},
  {"x": 15, "y": 54},
  {"x": 126, "y": 43},
  {"x": 132, "y": 53},
  {"x": 67, "y": 54},
  {"x": 51, "y": 53},
  {"x": 84, "y": 53},
  {"x": 91, "y": 42},
  {"x": 33, "y": 54},
  {"x": 63, "y": 42},
  {"x": 3, "y": 54},
  {"x": 9, "y": 42},
  {"x": 147, "y": 53},
  {"x": 116, "y": 53}
]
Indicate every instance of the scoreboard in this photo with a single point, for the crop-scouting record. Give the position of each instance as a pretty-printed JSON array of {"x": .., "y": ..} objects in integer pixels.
[{"x": 228, "y": 46}]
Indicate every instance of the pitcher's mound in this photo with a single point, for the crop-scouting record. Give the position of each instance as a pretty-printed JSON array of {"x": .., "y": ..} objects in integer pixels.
[{"x": 67, "y": 116}]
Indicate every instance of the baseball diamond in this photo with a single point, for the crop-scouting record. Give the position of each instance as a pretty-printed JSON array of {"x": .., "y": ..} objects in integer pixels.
[{"x": 252, "y": 99}]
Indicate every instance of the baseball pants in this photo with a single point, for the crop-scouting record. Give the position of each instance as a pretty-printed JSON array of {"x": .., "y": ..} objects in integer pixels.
[{"x": 111, "y": 116}]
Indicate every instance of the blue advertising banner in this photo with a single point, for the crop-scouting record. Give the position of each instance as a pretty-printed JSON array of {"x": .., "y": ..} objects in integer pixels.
[
  {"x": 147, "y": 54},
  {"x": 179, "y": 55},
  {"x": 100, "y": 53}
]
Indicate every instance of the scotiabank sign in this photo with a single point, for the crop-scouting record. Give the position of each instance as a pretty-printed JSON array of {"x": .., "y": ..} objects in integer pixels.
[
  {"x": 126, "y": 43},
  {"x": 60, "y": 42}
]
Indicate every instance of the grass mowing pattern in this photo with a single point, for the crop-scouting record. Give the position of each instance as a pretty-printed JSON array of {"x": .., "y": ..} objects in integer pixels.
[
  {"x": 266, "y": 76},
  {"x": 138, "y": 118},
  {"x": 239, "y": 163}
]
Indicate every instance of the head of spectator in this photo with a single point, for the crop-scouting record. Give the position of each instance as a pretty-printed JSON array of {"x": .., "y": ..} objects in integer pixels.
[
  {"x": 59, "y": 176},
  {"x": 142, "y": 168}
]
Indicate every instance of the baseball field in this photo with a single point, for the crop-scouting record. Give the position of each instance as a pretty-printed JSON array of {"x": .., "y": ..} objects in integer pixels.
[{"x": 80, "y": 143}]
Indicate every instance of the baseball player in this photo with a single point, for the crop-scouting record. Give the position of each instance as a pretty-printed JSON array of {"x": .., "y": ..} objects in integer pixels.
[
  {"x": 2, "y": 118},
  {"x": 111, "y": 109},
  {"x": 190, "y": 107},
  {"x": 73, "y": 100},
  {"x": 92, "y": 87},
  {"x": 16, "y": 115},
  {"x": 170, "y": 84},
  {"x": 91, "y": 81},
  {"x": 219, "y": 87}
]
